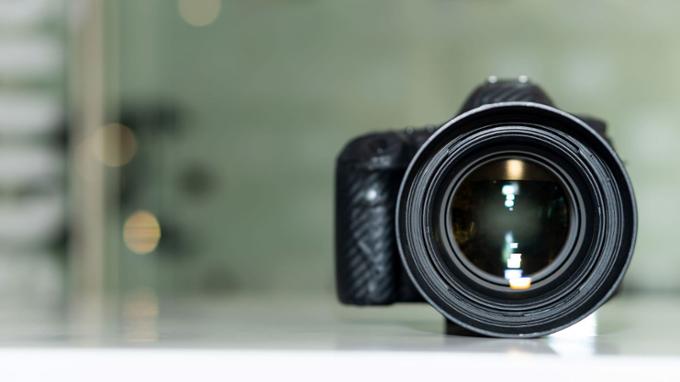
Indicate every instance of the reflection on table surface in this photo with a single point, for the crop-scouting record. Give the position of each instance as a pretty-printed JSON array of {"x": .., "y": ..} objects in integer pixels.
[{"x": 628, "y": 325}]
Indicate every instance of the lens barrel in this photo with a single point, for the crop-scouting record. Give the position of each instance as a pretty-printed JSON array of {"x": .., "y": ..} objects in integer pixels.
[{"x": 586, "y": 195}]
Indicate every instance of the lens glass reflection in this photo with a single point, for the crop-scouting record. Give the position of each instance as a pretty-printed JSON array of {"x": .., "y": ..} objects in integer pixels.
[{"x": 511, "y": 219}]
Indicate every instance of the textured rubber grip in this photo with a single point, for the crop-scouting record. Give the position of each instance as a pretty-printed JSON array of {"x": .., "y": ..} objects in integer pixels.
[{"x": 367, "y": 262}]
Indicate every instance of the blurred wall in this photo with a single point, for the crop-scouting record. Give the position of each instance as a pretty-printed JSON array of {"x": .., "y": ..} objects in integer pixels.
[
  {"x": 263, "y": 94},
  {"x": 33, "y": 202}
]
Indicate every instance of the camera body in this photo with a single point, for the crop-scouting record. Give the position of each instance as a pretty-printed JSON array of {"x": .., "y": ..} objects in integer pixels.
[{"x": 370, "y": 172}]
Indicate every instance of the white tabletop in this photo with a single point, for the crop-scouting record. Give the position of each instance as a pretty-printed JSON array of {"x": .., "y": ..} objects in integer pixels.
[{"x": 632, "y": 337}]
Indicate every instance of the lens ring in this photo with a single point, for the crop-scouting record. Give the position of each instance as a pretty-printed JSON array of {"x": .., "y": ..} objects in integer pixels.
[{"x": 608, "y": 246}]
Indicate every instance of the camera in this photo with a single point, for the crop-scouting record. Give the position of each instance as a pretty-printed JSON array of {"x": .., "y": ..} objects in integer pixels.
[{"x": 512, "y": 219}]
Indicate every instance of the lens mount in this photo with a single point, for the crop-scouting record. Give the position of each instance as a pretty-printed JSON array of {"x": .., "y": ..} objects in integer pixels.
[{"x": 599, "y": 242}]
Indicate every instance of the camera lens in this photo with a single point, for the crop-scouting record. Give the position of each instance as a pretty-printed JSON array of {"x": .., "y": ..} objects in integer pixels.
[
  {"x": 510, "y": 219},
  {"x": 516, "y": 220}
]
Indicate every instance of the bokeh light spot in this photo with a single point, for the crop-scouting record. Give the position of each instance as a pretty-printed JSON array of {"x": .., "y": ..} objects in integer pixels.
[
  {"x": 199, "y": 12},
  {"x": 114, "y": 145},
  {"x": 142, "y": 232}
]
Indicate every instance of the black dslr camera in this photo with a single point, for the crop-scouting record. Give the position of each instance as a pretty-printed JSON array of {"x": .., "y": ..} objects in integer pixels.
[{"x": 513, "y": 219}]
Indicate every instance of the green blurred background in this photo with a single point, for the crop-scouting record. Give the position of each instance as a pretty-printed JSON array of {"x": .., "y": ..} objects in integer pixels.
[
  {"x": 223, "y": 119},
  {"x": 269, "y": 91}
]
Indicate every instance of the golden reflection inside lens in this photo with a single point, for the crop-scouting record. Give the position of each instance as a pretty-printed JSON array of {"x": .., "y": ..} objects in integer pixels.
[
  {"x": 520, "y": 283},
  {"x": 142, "y": 232},
  {"x": 514, "y": 169}
]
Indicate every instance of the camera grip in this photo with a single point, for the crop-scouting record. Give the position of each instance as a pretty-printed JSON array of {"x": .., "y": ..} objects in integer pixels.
[{"x": 367, "y": 262}]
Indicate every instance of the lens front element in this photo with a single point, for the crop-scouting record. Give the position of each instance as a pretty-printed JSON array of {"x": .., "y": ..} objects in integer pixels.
[{"x": 510, "y": 219}]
